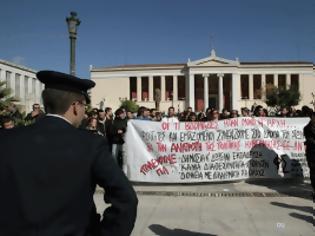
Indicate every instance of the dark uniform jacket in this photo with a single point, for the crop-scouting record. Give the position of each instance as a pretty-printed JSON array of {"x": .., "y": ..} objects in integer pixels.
[
  {"x": 48, "y": 173},
  {"x": 309, "y": 133}
]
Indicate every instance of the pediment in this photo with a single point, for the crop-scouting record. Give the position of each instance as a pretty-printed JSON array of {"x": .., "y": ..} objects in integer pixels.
[
  {"x": 212, "y": 63},
  {"x": 212, "y": 60}
]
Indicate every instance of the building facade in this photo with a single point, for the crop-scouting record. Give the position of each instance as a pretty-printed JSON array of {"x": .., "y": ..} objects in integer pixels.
[
  {"x": 26, "y": 89},
  {"x": 209, "y": 82}
]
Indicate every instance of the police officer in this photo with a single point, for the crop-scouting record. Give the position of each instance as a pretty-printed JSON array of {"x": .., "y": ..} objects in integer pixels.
[
  {"x": 309, "y": 133},
  {"x": 49, "y": 170}
]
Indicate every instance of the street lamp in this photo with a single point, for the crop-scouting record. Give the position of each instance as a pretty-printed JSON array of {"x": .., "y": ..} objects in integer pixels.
[{"x": 72, "y": 22}]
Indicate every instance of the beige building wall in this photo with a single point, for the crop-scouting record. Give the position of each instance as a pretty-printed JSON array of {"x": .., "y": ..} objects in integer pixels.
[{"x": 110, "y": 91}]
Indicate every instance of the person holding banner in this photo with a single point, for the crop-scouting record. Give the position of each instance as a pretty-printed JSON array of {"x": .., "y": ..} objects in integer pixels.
[{"x": 309, "y": 133}]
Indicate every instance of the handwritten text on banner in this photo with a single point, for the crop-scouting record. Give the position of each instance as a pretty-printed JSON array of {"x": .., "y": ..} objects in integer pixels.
[{"x": 232, "y": 149}]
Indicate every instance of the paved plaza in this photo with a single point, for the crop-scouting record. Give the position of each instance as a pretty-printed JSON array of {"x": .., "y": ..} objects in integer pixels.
[{"x": 260, "y": 207}]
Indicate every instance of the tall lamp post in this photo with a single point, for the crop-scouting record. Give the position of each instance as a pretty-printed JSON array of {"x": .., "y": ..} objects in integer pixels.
[{"x": 73, "y": 22}]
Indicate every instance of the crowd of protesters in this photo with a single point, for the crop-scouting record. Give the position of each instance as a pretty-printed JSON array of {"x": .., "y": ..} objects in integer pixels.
[
  {"x": 113, "y": 125},
  {"x": 107, "y": 123}
]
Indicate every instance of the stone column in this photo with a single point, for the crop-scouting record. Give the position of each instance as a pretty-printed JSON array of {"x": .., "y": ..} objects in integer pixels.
[
  {"x": 221, "y": 95},
  {"x": 38, "y": 91},
  {"x": 163, "y": 88},
  {"x": 2, "y": 75},
  {"x": 175, "y": 88},
  {"x": 236, "y": 89},
  {"x": 12, "y": 83},
  {"x": 263, "y": 86},
  {"x": 288, "y": 81},
  {"x": 22, "y": 88},
  {"x": 206, "y": 91},
  {"x": 139, "y": 89},
  {"x": 33, "y": 91},
  {"x": 191, "y": 91},
  {"x": 30, "y": 91},
  {"x": 251, "y": 86},
  {"x": 151, "y": 92}
]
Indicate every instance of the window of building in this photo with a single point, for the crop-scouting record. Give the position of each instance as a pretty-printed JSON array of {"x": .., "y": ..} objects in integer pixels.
[
  {"x": 245, "y": 86},
  {"x": 227, "y": 91},
  {"x": 257, "y": 87},
  {"x": 269, "y": 83},
  {"x": 145, "y": 88},
  {"x": 17, "y": 85},
  {"x": 282, "y": 81},
  {"x": 132, "y": 88},
  {"x": 8, "y": 79},
  {"x": 213, "y": 84},
  {"x": 156, "y": 82},
  {"x": 156, "y": 85},
  {"x": 168, "y": 87},
  {"x": 295, "y": 83},
  {"x": 199, "y": 92},
  {"x": 269, "y": 79},
  {"x": 181, "y": 87}
]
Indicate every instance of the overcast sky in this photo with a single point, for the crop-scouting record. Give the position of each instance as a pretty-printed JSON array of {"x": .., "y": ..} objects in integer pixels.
[{"x": 34, "y": 32}]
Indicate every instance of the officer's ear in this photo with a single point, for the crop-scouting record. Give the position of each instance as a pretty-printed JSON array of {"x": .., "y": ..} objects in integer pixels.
[{"x": 74, "y": 108}]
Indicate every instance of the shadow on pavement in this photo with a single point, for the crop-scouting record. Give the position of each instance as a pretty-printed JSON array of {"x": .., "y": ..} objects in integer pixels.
[
  {"x": 305, "y": 209},
  {"x": 309, "y": 219},
  {"x": 265, "y": 169},
  {"x": 299, "y": 208},
  {"x": 163, "y": 231},
  {"x": 290, "y": 187}
]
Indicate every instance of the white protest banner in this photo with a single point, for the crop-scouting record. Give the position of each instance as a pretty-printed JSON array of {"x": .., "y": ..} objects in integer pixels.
[{"x": 231, "y": 149}]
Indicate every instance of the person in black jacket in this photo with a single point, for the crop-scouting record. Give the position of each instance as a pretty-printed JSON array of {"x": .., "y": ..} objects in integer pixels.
[
  {"x": 118, "y": 131},
  {"x": 49, "y": 171},
  {"x": 34, "y": 115},
  {"x": 309, "y": 133}
]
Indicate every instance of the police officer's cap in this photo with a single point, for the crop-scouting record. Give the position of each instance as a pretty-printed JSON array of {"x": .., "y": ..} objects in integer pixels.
[{"x": 66, "y": 82}]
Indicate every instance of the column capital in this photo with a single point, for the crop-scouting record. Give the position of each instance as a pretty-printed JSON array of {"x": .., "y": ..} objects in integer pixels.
[
  {"x": 205, "y": 75},
  {"x": 220, "y": 74}
]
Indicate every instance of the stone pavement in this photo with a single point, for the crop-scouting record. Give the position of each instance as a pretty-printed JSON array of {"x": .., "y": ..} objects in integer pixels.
[{"x": 256, "y": 207}]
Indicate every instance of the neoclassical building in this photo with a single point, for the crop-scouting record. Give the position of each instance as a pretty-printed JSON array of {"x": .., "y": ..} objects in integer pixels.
[
  {"x": 23, "y": 84},
  {"x": 209, "y": 82}
]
